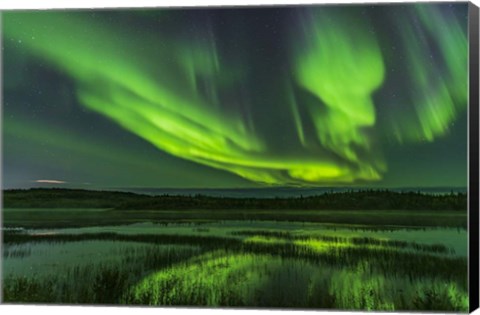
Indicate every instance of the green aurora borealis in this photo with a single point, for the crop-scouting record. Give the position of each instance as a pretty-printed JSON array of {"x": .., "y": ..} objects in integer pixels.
[{"x": 372, "y": 95}]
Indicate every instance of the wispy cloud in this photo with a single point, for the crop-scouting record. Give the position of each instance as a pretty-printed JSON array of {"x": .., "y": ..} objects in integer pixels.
[{"x": 50, "y": 181}]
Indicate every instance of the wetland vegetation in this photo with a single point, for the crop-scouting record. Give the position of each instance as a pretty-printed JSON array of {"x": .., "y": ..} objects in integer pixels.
[{"x": 362, "y": 259}]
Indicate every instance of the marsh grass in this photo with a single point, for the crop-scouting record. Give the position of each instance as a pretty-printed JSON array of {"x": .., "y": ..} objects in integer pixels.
[
  {"x": 264, "y": 258},
  {"x": 230, "y": 279},
  {"x": 243, "y": 268},
  {"x": 90, "y": 281}
]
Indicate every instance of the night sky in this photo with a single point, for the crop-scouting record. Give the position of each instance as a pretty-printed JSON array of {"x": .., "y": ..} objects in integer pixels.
[{"x": 358, "y": 96}]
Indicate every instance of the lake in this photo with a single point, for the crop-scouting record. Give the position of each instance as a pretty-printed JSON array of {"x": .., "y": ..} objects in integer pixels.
[{"x": 300, "y": 259}]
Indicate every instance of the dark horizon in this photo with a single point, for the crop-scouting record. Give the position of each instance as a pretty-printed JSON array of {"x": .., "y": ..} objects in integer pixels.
[{"x": 262, "y": 192}]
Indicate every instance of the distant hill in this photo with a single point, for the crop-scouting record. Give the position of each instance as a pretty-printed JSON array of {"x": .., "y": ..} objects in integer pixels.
[
  {"x": 346, "y": 200},
  {"x": 66, "y": 198}
]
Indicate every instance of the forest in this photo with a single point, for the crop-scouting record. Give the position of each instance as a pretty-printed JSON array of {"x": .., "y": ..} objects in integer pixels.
[{"x": 349, "y": 200}]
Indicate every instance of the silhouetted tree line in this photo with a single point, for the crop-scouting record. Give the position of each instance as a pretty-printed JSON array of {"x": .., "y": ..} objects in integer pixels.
[
  {"x": 66, "y": 198},
  {"x": 348, "y": 200}
]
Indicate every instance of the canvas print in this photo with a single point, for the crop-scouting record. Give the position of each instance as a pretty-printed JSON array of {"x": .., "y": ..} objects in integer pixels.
[{"x": 297, "y": 157}]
